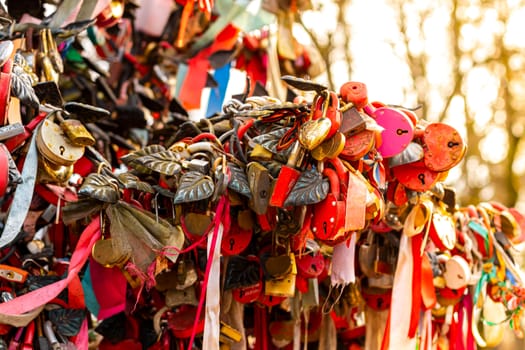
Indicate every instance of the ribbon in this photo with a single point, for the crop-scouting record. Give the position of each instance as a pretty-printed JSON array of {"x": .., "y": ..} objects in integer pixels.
[
  {"x": 39, "y": 297},
  {"x": 217, "y": 95},
  {"x": 195, "y": 79},
  {"x": 212, "y": 307},
  {"x": 22, "y": 198},
  {"x": 402, "y": 294}
]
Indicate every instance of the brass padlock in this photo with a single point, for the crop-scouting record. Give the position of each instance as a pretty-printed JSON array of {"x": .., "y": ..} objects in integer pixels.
[
  {"x": 54, "y": 55},
  {"x": 77, "y": 132},
  {"x": 53, "y": 144},
  {"x": 49, "y": 172},
  {"x": 47, "y": 71},
  {"x": 229, "y": 334},
  {"x": 283, "y": 287}
]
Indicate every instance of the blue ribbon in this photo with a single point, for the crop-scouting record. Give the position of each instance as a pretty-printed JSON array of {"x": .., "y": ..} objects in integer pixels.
[{"x": 217, "y": 94}]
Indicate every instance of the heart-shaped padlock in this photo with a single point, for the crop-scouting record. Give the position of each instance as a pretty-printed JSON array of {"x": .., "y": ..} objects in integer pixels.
[
  {"x": 311, "y": 264},
  {"x": 416, "y": 176},
  {"x": 330, "y": 212},
  {"x": 442, "y": 229},
  {"x": 398, "y": 129},
  {"x": 314, "y": 132},
  {"x": 55, "y": 146},
  {"x": 236, "y": 240},
  {"x": 443, "y": 145}
]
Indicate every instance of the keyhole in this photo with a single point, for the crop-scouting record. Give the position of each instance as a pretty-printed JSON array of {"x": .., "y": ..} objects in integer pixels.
[
  {"x": 401, "y": 131},
  {"x": 379, "y": 303},
  {"x": 241, "y": 293},
  {"x": 263, "y": 194},
  {"x": 314, "y": 267},
  {"x": 451, "y": 144},
  {"x": 421, "y": 178},
  {"x": 62, "y": 149},
  {"x": 232, "y": 242},
  {"x": 325, "y": 226}
]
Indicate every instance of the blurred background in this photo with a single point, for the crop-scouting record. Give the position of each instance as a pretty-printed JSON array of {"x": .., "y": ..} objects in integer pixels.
[{"x": 458, "y": 61}]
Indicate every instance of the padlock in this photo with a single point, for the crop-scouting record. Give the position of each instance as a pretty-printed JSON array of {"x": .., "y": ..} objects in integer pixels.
[
  {"x": 352, "y": 121},
  {"x": 398, "y": 129},
  {"x": 311, "y": 263},
  {"x": 442, "y": 229},
  {"x": 354, "y": 93},
  {"x": 456, "y": 271},
  {"x": 358, "y": 145},
  {"x": 5, "y": 91},
  {"x": 284, "y": 286},
  {"x": 236, "y": 240},
  {"x": 326, "y": 105},
  {"x": 251, "y": 293},
  {"x": 313, "y": 132},
  {"x": 229, "y": 334},
  {"x": 330, "y": 214},
  {"x": 330, "y": 148},
  {"x": 288, "y": 176},
  {"x": 47, "y": 71},
  {"x": 54, "y": 145},
  {"x": 443, "y": 146},
  {"x": 259, "y": 180},
  {"x": 177, "y": 297},
  {"x": 416, "y": 176},
  {"x": 77, "y": 132},
  {"x": 52, "y": 51}
]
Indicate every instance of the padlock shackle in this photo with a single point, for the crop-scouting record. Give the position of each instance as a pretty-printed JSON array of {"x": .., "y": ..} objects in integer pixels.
[
  {"x": 355, "y": 93},
  {"x": 333, "y": 178}
]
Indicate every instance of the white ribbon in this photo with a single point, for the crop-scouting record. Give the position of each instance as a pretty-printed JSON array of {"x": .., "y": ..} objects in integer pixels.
[
  {"x": 402, "y": 299},
  {"x": 212, "y": 325}
]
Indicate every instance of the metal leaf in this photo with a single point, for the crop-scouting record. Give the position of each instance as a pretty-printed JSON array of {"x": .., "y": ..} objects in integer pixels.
[
  {"x": 270, "y": 140},
  {"x": 239, "y": 181},
  {"x": 310, "y": 188},
  {"x": 133, "y": 182},
  {"x": 302, "y": 84},
  {"x": 101, "y": 187},
  {"x": 194, "y": 186},
  {"x": 67, "y": 321},
  {"x": 129, "y": 158},
  {"x": 21, "y": 87},
  {"x": 165, "y": 162}
]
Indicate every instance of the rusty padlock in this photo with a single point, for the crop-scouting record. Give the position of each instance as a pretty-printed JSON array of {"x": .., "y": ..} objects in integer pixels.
[
  {"x": 54, "y": 145},
  {"x": 443, "y": 146}
]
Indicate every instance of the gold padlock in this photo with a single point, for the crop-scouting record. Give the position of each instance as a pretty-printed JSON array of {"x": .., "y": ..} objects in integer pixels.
[
  {"x": 229, "y": 334},
  {"x": 53, "y": 144},
  {"x": 77, "y": 132},
  {"x": 47, "y": 71},
  {"x": 52, "y": 173},
  {"x": 283, "y": 287}
]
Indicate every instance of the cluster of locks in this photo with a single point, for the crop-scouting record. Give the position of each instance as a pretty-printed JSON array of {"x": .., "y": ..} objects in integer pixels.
[{"x": 320, "y": 221}]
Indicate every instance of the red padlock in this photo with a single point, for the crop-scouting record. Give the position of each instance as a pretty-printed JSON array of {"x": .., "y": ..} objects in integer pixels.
[
  {"x": 236, "y": 240},
  {"x": 358, "y": 145},
  {"x": 329, "y": 215},
  {"x": 250, "y": 294},
  {"x": 310, "y": 264},
  {"x": 355, "y": 93},
  {"x": 416, "y": 176},
  {"x": 443, "y": 146}
]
